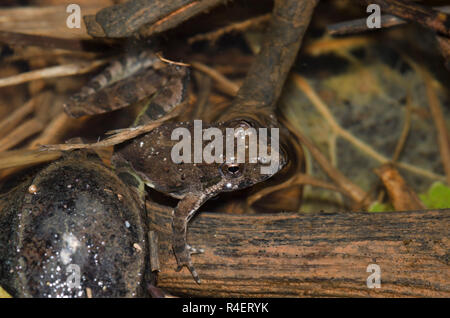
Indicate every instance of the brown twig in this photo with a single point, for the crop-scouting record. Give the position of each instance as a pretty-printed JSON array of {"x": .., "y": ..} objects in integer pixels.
[
  {"x": 410, "y": 11},
  {"x": 257, "y": 97},
  {"x": 360, "y": 25},
  {"x": 297, "y": 179},
  {"x": 439, "y": 120},
  {"x": 179, "y": 16},
  {"x": 24, "y": 157},
  {"x": 49, "y": 42},
  {"x": 204, "y": 84},
  {"x": 234, "y": 27},
  {"x": 327, "y": 45},
  {"x": 163, "y": 59},
  {"x": 402, "y": 196},
  {"x": 51, "y": 72},
  {"x": 21, "y": 133},
  {"x": 124, "y": 19},
  {"x": 405, "y": 130},
  {"x": 7, "y": 124},
  {"x": 223, "y": 84}
]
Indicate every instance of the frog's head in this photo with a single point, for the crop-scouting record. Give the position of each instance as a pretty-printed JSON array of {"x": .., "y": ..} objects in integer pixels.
[{"x": 266, "y": 159}]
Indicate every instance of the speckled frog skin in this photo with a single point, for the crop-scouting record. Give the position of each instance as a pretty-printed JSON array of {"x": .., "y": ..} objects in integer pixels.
[{"x": 149, "y": 158}]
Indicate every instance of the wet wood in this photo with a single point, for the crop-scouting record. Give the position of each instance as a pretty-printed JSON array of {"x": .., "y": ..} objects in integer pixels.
[
  {"x": 256, "y": 98},
  {"x": 124, "y": 19},
  {"x": 179, "y": 16},
  {"x": 322, "y": 254},
  {"x": 444, "y": 47}
]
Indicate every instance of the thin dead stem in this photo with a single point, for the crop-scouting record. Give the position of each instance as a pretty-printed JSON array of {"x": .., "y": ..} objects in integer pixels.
[
  {"x": 439, "y": 120},
  {"x": 224, "y": 84},
  {"x": 51, "y": 72},
  {"x": 405, "y": 130},
  {"x": 234, "y": 27},
  {"x": 22, "y": 132},
  {"x": 351, "y": 190}
]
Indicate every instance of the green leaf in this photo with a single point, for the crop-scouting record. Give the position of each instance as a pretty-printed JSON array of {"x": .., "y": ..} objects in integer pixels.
[
  {"x": 437, "y": 197},
  {"x": 4, "y": 294},
  {"x": 380, "y": 207}
]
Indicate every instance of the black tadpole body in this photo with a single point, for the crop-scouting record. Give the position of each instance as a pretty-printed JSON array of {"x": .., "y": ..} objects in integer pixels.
[{"x": 74, "y": 230}]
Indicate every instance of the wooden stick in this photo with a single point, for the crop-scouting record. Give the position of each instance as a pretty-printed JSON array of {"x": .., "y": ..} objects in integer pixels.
[
  {"x": 50, "y": 42},
  {"x": 22, "y": 132},
  {"x": 124, "y": 19},
  {"x": 179, "y": 16},
  {"x": 262, "y": 87},
  {"x": 51, "y": 72},
  {"x": 297, "y": 179},
  {"x": 8, "y": 124},
  {"x": 439, "y": 120},
  {"x": 360, "y": 25},
  {"x": 23, "y": 158},
  {"x": 241, "y": 26},
  {"x": 401, "y": 194},
  {"x": 319, "y": 254},
  {"x": 407, "y": 10}
]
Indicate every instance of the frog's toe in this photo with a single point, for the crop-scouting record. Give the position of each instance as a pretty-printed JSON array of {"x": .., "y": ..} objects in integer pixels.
[
  {"x": 184, "y": 259},
  {"x": 192, "y": 270}
]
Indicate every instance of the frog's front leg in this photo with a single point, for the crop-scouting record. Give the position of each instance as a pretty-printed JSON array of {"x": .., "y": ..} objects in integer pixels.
[{"x": 184, "y": 211}]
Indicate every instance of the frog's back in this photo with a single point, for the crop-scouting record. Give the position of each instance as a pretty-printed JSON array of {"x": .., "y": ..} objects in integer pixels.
[{"x": 150, "y": 157}]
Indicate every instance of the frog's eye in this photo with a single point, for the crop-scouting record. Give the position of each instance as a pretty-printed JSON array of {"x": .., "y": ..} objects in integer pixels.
[
  {"x": 244, "y": 124},
  {"x": 231, "y": 170}
]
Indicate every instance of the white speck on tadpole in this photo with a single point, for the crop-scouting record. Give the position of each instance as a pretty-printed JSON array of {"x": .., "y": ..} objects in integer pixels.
[
  {"x": 141, "y": 144},
  {"x": 127, "y": 224},
  {"x": 71, "y": 244}
]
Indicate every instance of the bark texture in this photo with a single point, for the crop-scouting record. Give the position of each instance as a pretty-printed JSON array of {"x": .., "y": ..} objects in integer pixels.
[{"x": 323, "y": 254}]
